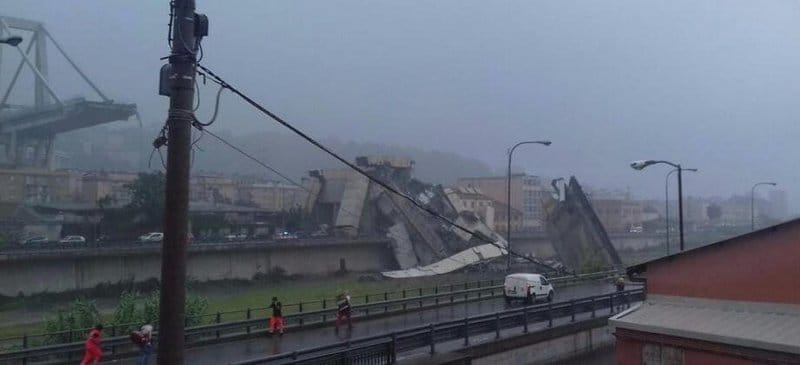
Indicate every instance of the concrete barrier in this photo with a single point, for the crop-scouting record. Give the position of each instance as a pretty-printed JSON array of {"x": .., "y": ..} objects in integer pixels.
[{"x": 60, "y": 271}]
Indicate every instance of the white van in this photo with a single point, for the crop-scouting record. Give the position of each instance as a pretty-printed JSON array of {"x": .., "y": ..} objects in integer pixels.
[{"x": 528, "y": 287}]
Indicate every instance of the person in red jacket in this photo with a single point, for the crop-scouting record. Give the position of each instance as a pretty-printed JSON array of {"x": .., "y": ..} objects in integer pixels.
[{"x": 93, "y": 349}]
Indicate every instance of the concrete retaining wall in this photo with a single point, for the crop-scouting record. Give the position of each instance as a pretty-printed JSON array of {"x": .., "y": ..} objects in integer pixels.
[
  {"x": 552, "y": 350},
  {"x": 59, "y": 272}
]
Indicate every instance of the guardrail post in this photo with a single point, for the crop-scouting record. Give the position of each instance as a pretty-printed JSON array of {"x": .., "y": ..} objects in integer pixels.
[
  {"x": 549, "y": 314},
  {"x": 572, "y": 310},
  {"x": 431, "y": 338},
  {"x": 366, "y": 298},
  {"x": 324, "y": 303},
  {"x": 436, "y": 293},
  {"x": 466, "y": 331},
  {"x": 451, "y": 288},
  {"x": 525, "y": 319},
  {"x": 300, "y": 307},
  {"x": 24, "y": 346},
  {"x": 611, "y": 304},
  {"x": 393, "y": 349},
  {"x": 249, "y": 316},
  {"x": 218, "y": 319},
  {"x": 113, "y": 334},
  {"x": 497, "y": 325},
  {"x": 592, "y": 304},
  {"x": 420, "y": 291},
  {"x": 347, "y": 353},
  {"x": 404, "y": 294}
]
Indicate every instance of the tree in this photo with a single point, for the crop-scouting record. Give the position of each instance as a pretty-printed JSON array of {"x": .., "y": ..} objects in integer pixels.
[
  {"x": 714, "y": 212},
  {"x": 147, "y": 199}
]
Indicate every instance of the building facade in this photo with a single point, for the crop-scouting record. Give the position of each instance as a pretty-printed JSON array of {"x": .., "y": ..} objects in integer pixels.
[
  {"x": 212, "y": 189},
  {"x": 472, "y": 199},
  {"x": 39, "y": 185},
  {"x": 527, "y": 195},
  {"x": 731, "y": 302},
  {"x": 111, "y": 185},
  {"x": 271, "y": 196}
]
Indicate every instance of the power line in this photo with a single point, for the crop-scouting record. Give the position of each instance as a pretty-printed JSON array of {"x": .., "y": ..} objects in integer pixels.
[
  {"x": 217, "y": 79},
  {"x": 251, "y": 157},
  {"x": 262, "y": 163}
]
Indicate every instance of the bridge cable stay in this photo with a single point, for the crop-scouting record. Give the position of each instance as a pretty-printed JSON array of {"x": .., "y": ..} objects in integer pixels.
[
  {"x": 480, "y": 236},
  {"x": 33, "y": 68}
]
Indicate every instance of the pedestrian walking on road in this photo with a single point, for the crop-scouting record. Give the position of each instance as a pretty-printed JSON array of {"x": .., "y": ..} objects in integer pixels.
[
  {"x": 276, "y": 321},
  {"x": 93, "y": 351},
  {"x": 144, "y": 339},
  {"x": 344, "y": 310},
  {"x": 620, "y": 284}
]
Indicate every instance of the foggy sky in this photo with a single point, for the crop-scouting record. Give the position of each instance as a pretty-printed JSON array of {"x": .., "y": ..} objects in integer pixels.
[{"x": 709, "y": 84}]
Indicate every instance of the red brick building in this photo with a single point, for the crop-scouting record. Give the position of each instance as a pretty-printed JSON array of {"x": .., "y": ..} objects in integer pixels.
[{"x": 732, "y": 302}]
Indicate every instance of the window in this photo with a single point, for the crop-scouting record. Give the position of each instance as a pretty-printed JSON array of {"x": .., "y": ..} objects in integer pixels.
[{"x": 544, "y": 281}]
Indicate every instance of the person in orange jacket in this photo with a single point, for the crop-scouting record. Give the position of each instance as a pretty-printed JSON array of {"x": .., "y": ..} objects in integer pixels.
[
  {"x": 93, "y": 349},
  {"x": 276, "y": 320}
]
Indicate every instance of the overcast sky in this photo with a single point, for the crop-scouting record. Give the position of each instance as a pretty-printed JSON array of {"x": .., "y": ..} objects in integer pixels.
[{"x": 709, "y": 84}]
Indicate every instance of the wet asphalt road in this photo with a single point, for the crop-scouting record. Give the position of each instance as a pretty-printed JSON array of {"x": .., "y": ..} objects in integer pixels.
[{"x": 228, "y": 352}]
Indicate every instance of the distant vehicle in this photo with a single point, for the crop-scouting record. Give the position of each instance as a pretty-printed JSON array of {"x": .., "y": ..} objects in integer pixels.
[
  {"x": 636, "y": 229},
  {"x": 319, "y": 234},
  {"x": 73, "y": 239},
  {"x": 285, "y": 236},
  {"x": 236, "y": 237},
  {"x": 527, "y": 287},
  {"x": 151, "y": 237},
  {"x": 35, "y": 240}
]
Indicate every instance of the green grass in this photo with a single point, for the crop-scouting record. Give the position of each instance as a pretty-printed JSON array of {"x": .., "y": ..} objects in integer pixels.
[{"x": 237, "y": 297}]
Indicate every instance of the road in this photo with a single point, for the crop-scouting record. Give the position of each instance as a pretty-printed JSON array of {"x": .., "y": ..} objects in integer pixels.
[{"x": 224, "y": 353}]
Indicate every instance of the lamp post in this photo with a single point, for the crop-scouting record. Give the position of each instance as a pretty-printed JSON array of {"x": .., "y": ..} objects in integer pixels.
[
  {"x": 508, "y": 196},
  {"x": 753, "y": 201},
  {"x": 13, "y": 40},
  {"x": 641, "y": 164},
  {"x": 666, "y": 199}
]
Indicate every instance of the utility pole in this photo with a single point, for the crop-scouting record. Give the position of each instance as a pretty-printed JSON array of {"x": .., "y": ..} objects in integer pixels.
[{"x": 182, "y": 62}]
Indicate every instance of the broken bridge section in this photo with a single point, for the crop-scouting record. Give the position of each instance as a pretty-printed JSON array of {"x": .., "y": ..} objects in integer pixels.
[
  {"x": 28, "y": 128},
  {"x": 577, "y": 235}
]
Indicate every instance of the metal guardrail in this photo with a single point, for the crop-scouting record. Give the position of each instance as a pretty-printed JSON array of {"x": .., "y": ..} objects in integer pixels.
[
  {"x": 383, "y": 349},
  {"x": 55, "y": 246},
  {"x": 216, "y": 332},
  {"x": 39, "y": 339}
]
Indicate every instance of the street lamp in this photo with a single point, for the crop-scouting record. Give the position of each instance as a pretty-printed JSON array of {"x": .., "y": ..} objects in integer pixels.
[
  {"x": 666, "y": 199},
  {"x": 752, "y": 203},
  {"x": 13, "y": 40},
  {"x": 508, "y": 195},
  {"x": 641, "y": 164}
]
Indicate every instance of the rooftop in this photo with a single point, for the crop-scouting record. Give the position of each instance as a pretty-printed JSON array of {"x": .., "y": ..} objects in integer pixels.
[
  {"x": 741, "y": 239},
  {"x": 766, "y": 326}
]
